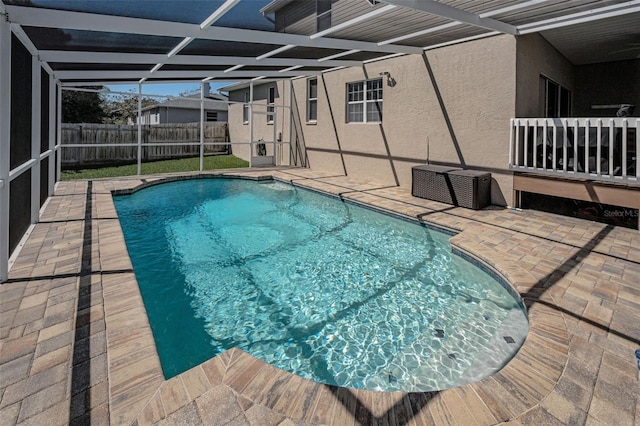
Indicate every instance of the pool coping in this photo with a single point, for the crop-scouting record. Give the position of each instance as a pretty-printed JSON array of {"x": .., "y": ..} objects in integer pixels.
[{"x": 140, "y": 394}]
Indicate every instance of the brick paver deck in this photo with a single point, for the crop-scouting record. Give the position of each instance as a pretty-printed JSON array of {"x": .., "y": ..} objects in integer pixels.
[{"x": 76, "y": 346}]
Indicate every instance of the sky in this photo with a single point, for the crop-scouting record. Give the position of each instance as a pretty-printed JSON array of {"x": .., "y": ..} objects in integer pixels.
[{"x": 173, "y": 89}]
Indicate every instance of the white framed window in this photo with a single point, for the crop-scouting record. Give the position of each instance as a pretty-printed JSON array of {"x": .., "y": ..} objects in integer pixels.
[
  {"x": 557, "y": 101},
  {"x": 364, "y": 101},
  {"x": 312, "y": 99},
  {"x": 270, "y": 104},
  {"x": 245, "y": 108}
]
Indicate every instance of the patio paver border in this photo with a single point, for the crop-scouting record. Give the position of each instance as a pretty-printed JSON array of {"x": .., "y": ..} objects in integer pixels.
[{"x": 76, "y": 344}]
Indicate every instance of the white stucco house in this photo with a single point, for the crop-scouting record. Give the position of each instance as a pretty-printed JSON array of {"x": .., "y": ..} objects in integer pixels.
[{"x": 186, "y": 109}]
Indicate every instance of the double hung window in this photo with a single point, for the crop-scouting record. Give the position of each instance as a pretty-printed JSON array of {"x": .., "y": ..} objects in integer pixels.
[
  {"x": 312, "y": 99},
  {"x": 270, "y": 104},
  {"x": 245, "y": 108},
  {"x": 364, "y": 101}
]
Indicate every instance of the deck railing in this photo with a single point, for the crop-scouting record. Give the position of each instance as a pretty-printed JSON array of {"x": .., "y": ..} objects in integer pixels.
[{"x": 604, "y": 149}]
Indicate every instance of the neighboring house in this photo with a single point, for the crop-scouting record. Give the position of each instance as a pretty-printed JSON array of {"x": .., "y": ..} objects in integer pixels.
[
  {"x": 186, "y": 110},
  {"x": 454, "y": 106},
  {"x": 270, "y": 111}
]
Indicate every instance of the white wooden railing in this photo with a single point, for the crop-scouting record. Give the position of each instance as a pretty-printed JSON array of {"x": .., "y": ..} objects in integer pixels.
[{"x": 605, "y": 149}]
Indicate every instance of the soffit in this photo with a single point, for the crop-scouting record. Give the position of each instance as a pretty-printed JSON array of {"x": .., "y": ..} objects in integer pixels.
[{"x": 618, "y": 38}]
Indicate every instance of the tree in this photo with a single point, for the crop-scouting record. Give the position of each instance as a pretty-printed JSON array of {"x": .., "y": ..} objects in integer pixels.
[
  {"x": 82, "y": 107},
  {"x": 119, "y": 108}
]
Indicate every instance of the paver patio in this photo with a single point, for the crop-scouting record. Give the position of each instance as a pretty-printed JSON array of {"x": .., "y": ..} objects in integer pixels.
[{"x": 76, "y": 346}]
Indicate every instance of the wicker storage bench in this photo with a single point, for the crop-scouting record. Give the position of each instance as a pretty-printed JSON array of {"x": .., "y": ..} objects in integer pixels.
[
  {"x": 472, "y": 188},
  {"x": 431, "y": 182},
  {"x": 464, "y": 188}
]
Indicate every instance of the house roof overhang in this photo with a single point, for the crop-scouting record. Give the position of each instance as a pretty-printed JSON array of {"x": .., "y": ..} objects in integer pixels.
[{"x": 108, "y": 42}]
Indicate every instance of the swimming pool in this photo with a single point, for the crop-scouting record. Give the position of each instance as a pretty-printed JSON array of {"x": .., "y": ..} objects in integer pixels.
[{"x": 325, "y": 289}]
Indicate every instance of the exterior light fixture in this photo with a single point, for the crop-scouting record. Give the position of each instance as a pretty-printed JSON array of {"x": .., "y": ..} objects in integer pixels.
[{"x": 390, "y": 80}]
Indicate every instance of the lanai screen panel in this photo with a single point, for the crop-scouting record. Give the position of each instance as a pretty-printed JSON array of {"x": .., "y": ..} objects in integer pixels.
[
  {"x": 194, "y": 34},
  {"x": 246, "y": 15},
  {"x": 185, "y": 11},
  {"x": 98, "y": 41},
  {"x": 185, "y": 40},
  {"x": 44, "y": 110},
  {"x": 20, "y": 104},
  {"x": 20, "y": 149},
  {"x": 227, "y": 48},
  {"x": 19, "y": 208},
  {"x": 44, "y": 135}
]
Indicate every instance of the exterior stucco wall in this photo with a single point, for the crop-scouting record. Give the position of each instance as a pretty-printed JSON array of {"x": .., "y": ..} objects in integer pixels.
[
  {"x": 456, "y": 100},
  {"x": 536, "y": 58},
  {"x": 239, "y": 131},
  {"x": 607, "y": 83}
]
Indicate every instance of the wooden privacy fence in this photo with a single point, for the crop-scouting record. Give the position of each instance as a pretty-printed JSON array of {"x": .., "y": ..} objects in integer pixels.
[{"x": 186, "y": 135}]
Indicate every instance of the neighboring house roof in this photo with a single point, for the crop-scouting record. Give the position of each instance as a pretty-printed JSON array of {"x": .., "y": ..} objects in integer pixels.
[{"x": 219, "y": 103}]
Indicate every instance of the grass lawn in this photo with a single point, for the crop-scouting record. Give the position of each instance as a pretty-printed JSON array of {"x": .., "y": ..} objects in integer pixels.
[{"x": 211, "y": 162}]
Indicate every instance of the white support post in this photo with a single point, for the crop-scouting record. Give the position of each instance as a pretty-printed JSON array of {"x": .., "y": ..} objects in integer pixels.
[
  {"x": 202, "y": 83},
  {"x": 544, "y": 145},
  {"x": 612, "y": 139},
  {"x": 139, "y": 156},
  {"x": 59, "y": 133},
  {"x": 5, "y": 147},
  {"x": 554, "y": 165},
  {"x": 525, "y": 151},
  {"x": 565, "y": 142},
  {"x": 586, "y": 146},
  {"x": 52, "y": 135},
  {"x": 599, "y": 147},
  {"x": 511, "y": 142},
  {"x": 534, "y": 160},
  {"x": 36, "y": 114},
  {"x": 251, "y": 123},
  {"x": 575, "y": 146},
  {"x": 638, "y": 154},
  {"x": 624, "y": 148},
  {"x": 516, "y": 149}
]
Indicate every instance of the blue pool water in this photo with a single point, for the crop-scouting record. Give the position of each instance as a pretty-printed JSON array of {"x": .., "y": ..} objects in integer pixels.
[{"x": 327, "y": 290}]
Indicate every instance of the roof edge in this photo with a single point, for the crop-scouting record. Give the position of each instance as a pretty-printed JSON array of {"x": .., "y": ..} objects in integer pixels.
[{"x": 274, "y": 6}]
